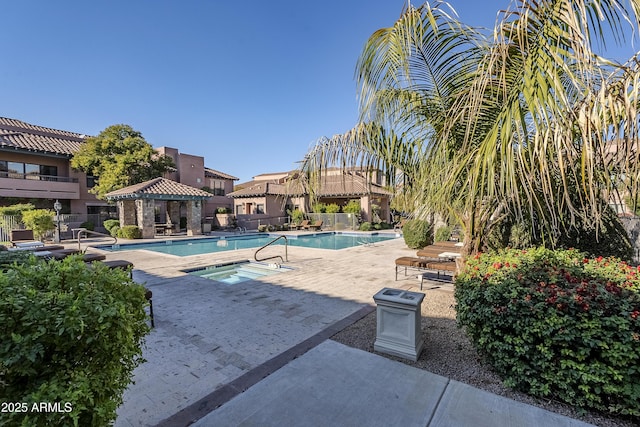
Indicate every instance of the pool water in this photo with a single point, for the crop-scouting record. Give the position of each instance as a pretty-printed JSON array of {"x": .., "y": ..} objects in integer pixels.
[
  {"x": 237, "y": 272},
  {"x": 333, "y": 241}
]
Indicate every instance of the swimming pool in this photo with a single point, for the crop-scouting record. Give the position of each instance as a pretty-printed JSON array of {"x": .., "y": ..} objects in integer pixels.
[{"x": 333, "y": 241}]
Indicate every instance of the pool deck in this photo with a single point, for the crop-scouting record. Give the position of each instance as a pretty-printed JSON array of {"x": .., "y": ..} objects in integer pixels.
[{"x": 257, "y": 352}]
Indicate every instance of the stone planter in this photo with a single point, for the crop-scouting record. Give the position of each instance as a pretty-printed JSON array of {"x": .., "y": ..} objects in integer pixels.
[
  {"x": 398, "y": 329},
  {"x": 225, "y": 220}
]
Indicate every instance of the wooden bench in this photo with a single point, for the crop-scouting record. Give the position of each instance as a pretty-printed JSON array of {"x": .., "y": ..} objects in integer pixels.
[{"x": 422, "y": 264}]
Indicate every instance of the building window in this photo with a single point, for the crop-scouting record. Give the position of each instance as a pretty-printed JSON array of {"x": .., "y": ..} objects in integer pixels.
[
  {"x": 31, "y": 171},
  {"x": 27, "y": 170},
  {"x": 218, "y": 187},
  {"x": 15, "y": 169},
  {"x": 260, "y": 208},
  {"x": 48, "y": 170},
  {"x": 239, "y": 209},
  {"x": 91, "y": 181}
]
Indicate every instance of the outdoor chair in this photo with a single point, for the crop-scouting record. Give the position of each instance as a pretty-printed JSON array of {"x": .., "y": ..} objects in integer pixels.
[
  {"x": 23, "y": 239},
  {"x": 304, "y": 225},
  {"x": 316, "y": 225}
]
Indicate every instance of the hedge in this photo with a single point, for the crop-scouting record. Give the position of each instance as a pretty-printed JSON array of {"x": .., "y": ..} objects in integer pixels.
[{"x": 72, "y": 334}]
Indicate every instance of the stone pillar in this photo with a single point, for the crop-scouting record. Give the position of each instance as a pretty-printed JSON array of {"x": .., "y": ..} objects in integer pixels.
[
  {"x": 173, "y": 210},
  {"x": 194, "y": 218},
  {"x": 127, "y": 212},
  {"x": 146, "y": 217}
]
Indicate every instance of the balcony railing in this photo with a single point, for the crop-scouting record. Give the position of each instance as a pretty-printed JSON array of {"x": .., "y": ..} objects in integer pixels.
[{"x": 36, "y": 177}]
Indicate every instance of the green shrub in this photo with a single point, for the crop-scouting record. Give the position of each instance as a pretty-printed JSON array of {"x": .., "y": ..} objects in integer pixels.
[
  {"x": 297, "y": 216},
  {"x": 557, "y": 325},
  {"x": 352, "y": 207},
  {"x": 130, "y": 232},
  {"x": 14, "y": 210},
  {"x": 223, "y": 210},
  {"x": 9, "y": 258},
  {"x": 69, "y": 333},
  {"x": 262, "y": 228},
  {"x": 39, "y": 220},
  {"x": 365, "y": 226},
  {"x": 611, "y": 240},
  {"x": 385, "y": 225},
  {"x": 88, "y": 225},
  {"x": 110, "y": 224},
  {"x": 443, "y": 234},
  {"x": 319, "y": 208},
  {"x": 333, "y": 208},
  {"x": 417, "y": 233}
]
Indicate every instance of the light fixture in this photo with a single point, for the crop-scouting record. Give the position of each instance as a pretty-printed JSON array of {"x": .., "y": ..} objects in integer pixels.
[{"x": 58, "y": 207}]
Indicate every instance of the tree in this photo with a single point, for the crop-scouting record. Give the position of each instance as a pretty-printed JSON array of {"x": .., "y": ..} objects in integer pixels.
[
  {"x": 39, "y": 220},
  {"x": 521, "y": 122},
  {"x": 118, "y": 157}
]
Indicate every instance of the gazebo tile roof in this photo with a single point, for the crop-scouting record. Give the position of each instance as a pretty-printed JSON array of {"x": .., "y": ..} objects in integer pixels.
[{"x": 161, "y": 189}]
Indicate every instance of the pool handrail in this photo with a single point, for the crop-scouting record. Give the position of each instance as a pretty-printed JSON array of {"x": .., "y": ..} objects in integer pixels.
[
  {"x": 286, "y": 254},
  {"x": 86, "y": 233}
]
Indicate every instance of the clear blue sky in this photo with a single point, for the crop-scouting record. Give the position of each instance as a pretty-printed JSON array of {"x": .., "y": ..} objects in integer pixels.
[{"x": 248, "y": 85}]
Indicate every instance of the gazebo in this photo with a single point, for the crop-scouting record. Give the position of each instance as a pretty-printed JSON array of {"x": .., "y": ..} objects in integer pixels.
[{"x": 137, "y": 203}]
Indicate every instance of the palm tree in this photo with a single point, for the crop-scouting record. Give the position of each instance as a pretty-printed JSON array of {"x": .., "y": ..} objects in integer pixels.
[{"x": 517, "y": 123}]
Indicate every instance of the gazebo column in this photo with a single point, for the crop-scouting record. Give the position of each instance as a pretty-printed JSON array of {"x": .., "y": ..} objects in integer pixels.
[
  {"x": 365, "y": 207},
  {"x": 173, "y": 210},
  {"x": 126, "y": 212},
  {"x": 194, "y": 218},
  {"x": 146, "y": 217}
]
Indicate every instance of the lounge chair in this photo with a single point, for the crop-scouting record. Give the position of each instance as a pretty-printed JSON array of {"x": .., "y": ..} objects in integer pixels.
[
  {"x": 304, "y": 225},
  {"x": 63, "y": 253},
  {"x": 316, "y": 225},
  {"x": 422, "y": 264},
  {"x": 437, "y": 250}
]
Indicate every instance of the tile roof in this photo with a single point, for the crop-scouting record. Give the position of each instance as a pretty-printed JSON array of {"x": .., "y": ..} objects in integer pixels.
[
  {"x": 212, "y": 173},
  {"x": 334, "y": 185},
  {"x": 349, "y": 185},
  {"x": 262, "y": 188},
  {"x": 21, "y": 136},
  {"x": 159, "y": 189}
]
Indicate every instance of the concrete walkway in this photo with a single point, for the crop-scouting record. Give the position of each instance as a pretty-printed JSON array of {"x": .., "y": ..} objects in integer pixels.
[{"x": 257, "y": 352}]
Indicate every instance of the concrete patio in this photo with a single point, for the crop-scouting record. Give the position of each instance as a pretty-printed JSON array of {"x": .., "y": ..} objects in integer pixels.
[{"x": 216, "y": 348}]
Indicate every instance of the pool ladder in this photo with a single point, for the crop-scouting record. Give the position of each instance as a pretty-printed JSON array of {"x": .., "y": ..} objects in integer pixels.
[{"x": 286, "y": 254}]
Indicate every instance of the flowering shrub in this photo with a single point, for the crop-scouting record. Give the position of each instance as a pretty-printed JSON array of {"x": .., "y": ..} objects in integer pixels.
[{"x": 556, "y": 324}]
